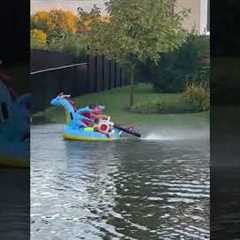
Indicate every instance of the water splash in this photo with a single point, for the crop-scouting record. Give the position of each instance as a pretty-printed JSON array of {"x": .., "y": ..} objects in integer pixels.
[
  {"x": 176, "y": 134},
  {"x": 157, "y": 137}
]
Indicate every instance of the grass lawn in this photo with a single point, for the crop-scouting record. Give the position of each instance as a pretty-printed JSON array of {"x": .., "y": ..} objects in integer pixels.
[{"x": 116, "y": 102}]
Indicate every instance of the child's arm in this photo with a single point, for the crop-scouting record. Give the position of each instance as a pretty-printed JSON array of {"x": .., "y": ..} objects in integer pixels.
[
  {"x": 85, "y": 109},
  {"x": 101, "y": 116}
]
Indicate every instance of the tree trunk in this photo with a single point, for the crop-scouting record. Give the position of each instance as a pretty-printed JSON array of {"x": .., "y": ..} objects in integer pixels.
[{"x": 131, "y": 100}]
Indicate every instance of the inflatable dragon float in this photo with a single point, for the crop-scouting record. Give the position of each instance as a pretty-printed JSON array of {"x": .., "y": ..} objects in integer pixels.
[
  {"x": 14, "y": 125},
  {"x": 75, "y": 129}
]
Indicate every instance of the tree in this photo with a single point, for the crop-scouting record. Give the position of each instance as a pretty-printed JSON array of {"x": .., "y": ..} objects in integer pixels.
[
  {"x": 69, "y": 43},
  {"x": 40, "y": 21},
  {"x": 137, "y": 31},
  {"x": 54, "y": 23},
  {"x": 189, "y": 63},
  {"x": 62, "y": 21},
  {"x": 87, "y": 19},
  {"x": 38, "y": 38}
]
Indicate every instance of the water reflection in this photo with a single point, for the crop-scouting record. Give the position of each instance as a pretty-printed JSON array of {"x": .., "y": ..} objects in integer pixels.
[{"x": 124, "y": 190}]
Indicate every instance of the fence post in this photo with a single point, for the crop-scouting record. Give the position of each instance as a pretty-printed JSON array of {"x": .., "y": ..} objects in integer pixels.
[
  {"x": 109, "y": 74},
  {"x": 117, "y": 75},
  {"x": 103, "y": 73},
  {"x": 46, "y": 90},
  {"x": 121, "y": 83},
  {"x": 75, "y": 85},
  {"x": 106, "y": 73},
  {"x": 91, "y": 73},
  {"x": 83, "y": 81},
  {"x": 125, "y": 78},
  {"x": 99, "y": 75},
  {"x": 113, "y": 74}
]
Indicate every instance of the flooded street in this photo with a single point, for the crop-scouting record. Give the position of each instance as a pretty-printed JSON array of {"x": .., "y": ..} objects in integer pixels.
[{"x": 150, "y": 188}]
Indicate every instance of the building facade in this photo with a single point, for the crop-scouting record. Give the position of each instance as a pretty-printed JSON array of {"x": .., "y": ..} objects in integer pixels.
[{"x": 199, "y": 16}]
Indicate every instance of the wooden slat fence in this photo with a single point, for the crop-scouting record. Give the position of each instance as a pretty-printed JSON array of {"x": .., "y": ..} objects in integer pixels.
[{"x": 95, "y": 75}]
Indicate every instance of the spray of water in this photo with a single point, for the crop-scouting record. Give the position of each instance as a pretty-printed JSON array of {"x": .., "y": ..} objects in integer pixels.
[{"x": 176, "y": 134}]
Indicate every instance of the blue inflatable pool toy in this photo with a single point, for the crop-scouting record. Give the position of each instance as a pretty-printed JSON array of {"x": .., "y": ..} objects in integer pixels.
[
  {"x": 88, "y": 134},
  {"x": 14, "y": 127},
  {"x": 74, "y": 129}
]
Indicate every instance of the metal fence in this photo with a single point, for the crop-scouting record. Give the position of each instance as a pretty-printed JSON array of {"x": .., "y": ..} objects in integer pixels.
[{"x": 98, "y": 74}]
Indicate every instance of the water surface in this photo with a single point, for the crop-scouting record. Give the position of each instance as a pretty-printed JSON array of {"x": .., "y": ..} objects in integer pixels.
[
  {"x": 14, "y": 204},
  {"x": 153, "y": 188}
]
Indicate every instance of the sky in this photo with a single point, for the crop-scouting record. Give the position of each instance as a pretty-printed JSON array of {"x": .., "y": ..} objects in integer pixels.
[{"x": 71, "y": 5}]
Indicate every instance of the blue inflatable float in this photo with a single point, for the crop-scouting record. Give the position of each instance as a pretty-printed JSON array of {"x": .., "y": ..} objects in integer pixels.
[
  {"x": 74, "y": 128},
  {"x": 14, "y": 126},
  {"x": 88, "y": 134}
]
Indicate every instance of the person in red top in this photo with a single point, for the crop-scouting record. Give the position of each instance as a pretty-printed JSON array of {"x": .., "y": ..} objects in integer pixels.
[
  {"x": 97, "y": 113},
  {"x": 93, "y": 112}
]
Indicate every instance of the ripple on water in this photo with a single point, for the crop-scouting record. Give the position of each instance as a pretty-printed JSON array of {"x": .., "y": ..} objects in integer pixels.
[{"x": 125, "y": 190}]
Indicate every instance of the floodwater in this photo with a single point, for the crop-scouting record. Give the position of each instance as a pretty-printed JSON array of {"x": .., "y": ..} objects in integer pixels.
[
  {"x": 151, "y": 188},
  {"x": 14, "y": 204}
]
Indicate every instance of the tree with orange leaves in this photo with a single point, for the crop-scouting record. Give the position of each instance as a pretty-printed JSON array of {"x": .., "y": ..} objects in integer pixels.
[
  {"x": 38, "y": 38},
  {"x": 54, "y": 22}
]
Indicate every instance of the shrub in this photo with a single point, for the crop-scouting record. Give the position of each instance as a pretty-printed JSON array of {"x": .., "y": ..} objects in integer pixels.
[
  {"x": 175, "y": 69},
  {"x": 197, "y": 95},
  {"x": 194, "y": 99}
]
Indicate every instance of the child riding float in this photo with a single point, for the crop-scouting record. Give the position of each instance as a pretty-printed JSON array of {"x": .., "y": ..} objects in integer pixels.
[
  {"x": 79, "y": 127},
  {"x": 104, "y": 126},
  {"x": 88, "y": 123},
  {"x": 95, "y": 118}
]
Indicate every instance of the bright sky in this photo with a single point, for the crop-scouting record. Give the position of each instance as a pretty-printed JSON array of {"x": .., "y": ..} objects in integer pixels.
[{"x": 71, "y": 5}]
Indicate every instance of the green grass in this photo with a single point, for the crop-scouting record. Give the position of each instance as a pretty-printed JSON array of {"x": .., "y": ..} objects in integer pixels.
[{"x": 116, "y": 102}]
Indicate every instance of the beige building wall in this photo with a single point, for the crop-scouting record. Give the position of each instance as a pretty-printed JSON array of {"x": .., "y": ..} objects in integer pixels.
[{"x": 193, "y": 19}]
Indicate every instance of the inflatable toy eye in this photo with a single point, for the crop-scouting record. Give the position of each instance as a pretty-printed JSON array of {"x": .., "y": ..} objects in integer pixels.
[{"x": 104, "y": 127}]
